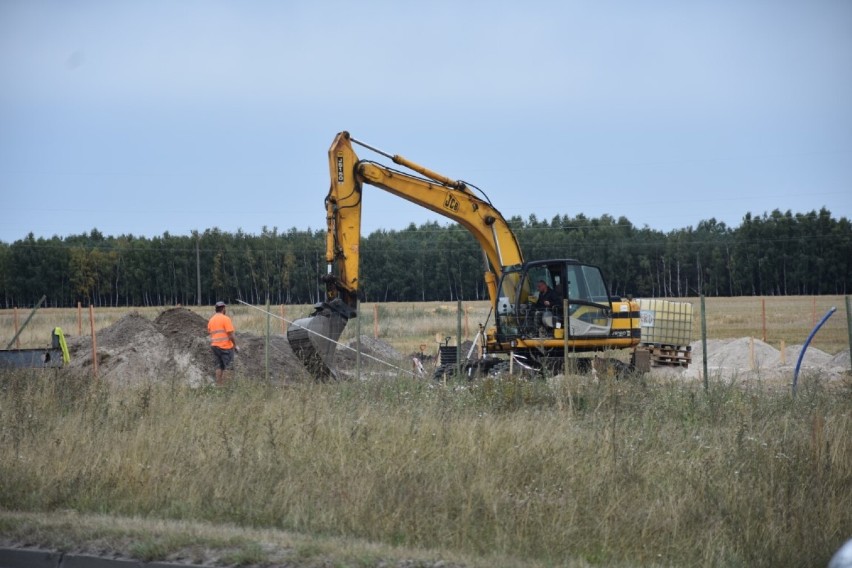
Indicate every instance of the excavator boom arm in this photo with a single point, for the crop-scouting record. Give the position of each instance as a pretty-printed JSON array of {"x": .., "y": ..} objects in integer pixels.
[{"x": 435, "y": 192}]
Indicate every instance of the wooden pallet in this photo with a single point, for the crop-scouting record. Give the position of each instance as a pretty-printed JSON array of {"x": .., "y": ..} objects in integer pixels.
[{"x": 670, "y": 355}]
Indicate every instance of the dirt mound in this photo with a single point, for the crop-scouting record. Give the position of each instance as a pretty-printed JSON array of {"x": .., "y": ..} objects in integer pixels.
[
  {"x": 813, "y": 357},
  {"x": 251, "y": 361},
  {"x": 747, "y": 353},
  {"x": 130, "y": 350},
  {"x": 175, "y": 347},
  {"x": 131, "y": 329},
  {"x": 842, "y": 359},
  {"x": 378, "y": 359},
  {"x": 752, "y": 358},
  {"x": 180, "y": 324},
  {"x": 376, "y": 348},
  {"x": 373, "y": 352}
]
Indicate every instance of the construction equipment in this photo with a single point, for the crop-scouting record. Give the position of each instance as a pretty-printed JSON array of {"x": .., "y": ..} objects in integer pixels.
[
  {"x": 54, "y": 356},
  {"x": 532, "y": 336}
]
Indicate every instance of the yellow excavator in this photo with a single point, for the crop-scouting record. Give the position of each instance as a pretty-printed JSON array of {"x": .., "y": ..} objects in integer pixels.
[{"x": 527, "y": 330}]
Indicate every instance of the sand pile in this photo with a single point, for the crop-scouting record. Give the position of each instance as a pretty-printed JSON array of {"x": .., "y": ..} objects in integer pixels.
[{"x": 752, "y": 358}]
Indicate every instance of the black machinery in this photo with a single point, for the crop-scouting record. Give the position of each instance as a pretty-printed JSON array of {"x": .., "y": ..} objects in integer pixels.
[{"x": 54, "y": 356}]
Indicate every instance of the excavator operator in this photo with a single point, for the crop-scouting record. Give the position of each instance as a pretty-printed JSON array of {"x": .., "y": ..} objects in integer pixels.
[
  {"x": 547, "y": 297},
  {"x": 546, "y": 306}
]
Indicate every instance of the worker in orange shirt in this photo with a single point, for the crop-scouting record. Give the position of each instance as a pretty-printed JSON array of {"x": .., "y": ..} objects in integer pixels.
[{"x": 222, "y": 341}]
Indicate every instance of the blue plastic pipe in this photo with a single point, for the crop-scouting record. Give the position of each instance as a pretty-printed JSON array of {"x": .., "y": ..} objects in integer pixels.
[{"x": 805, "y": 346}]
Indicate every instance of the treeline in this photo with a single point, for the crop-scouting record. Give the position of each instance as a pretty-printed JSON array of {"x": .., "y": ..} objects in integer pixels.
[{"x": 773, "y": 254}]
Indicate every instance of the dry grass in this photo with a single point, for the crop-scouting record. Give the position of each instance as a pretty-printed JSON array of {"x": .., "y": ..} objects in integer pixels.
[
  {"x": 568, "y": 471},
  {"x": 556, "y": 471}
]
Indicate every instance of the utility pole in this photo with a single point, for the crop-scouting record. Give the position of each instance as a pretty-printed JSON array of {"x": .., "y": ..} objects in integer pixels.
[{"x": 197, "y": 268}]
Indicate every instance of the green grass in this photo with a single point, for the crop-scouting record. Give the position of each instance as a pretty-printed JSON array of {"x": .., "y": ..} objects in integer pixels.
[{"x": 551, "y": 472}]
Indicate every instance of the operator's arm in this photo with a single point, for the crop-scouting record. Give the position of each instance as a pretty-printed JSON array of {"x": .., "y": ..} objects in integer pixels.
[
  {"x": 555, "y": 300},
  {"x": 550, "y": 299}
]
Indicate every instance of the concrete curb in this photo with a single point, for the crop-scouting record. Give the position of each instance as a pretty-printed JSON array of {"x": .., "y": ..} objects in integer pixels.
[
  {"x": 32, "y": 558},
  {"x": 35, "y": 558}
]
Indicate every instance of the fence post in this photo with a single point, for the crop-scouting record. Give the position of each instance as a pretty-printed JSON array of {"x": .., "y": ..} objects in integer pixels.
[
  {"x": 704, "y": 342},
  {"x": 358, "y": 340},
  {"x": 94, "y": 341},
  {"x": 283, "y": 321},
  {"x": 566, "y": 328},
  {"x": 375, "y": 321},
  {"x": 466, "y": 322},
  {"x": 17, "y": 338},
  {"x": 763, "y": 316},
  {"x": 268, "y": 331},
  {"x": 459, "y": 338},
  {"x": 751, "y": 364},
  {"x": 79, "y": 320},
  {"x": 849, "y": 324}
]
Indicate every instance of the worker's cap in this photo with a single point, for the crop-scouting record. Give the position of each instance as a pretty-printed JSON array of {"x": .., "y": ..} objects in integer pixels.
[{"x": 220, "y": 304}]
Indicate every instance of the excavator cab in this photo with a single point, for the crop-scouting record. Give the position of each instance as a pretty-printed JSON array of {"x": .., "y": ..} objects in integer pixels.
[{"x": 522, "y": 313}]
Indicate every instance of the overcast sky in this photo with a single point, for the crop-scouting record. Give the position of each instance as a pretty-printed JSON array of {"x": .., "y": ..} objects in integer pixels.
[{"x": 153, "y": 116}]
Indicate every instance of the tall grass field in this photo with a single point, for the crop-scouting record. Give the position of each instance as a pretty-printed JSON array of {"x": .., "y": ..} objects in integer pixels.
[{"x": 573, "y": 470}]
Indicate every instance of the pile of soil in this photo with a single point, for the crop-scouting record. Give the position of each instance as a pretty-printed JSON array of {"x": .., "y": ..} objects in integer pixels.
[
  {"x": 378, "y": 358},
  {"x": 370, "y": 346},
  {"x": 175, "y": 347}
]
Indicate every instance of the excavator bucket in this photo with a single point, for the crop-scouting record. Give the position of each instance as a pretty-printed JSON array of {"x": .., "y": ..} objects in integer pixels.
[{"x": 314, "y": 338}]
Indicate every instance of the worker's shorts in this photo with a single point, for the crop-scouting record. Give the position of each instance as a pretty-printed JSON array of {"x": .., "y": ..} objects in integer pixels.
[{"x": 224, "y": 357}]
